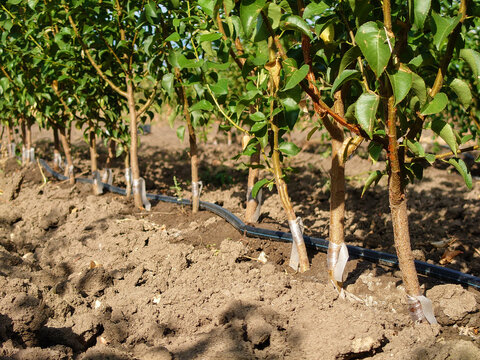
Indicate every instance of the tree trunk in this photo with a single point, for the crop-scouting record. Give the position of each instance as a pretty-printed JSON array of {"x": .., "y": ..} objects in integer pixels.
[
  {"x": 111, "y": 154},
  {"x": 29, "y": 143},
  {"x": 398, "y": 208},
  {"x": 65, "y": 139},
  {"x": 337, "y": 195},
  {"x": 57, "y": 157},
  {"x": 252, "y": 203},
  {"x": 10, "y": 141},
  {"x": 23, "y": 129},
  {"x": 137, "y": 198},
  {"x": 128, "y": 175},
  {"x": 93, "y": 157}
]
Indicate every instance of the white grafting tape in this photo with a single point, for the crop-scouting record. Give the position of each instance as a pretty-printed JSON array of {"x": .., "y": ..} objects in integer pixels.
[
  {"x": 31, "y": 154},
  {"x": 70, "y": 170},
  {"x": 107, "y": 176},
  {"x": 24, "y": 155},
  {"x": 139, "y": 187},
  {"x": 11, "y": 149},
  {"x": 57, "y": 160},
  {"x": 197, "y": 189},
  {"x": 128, "y": 175},
  {"x": 258, "y": 200},
  {"x": 421, "y": 307},
  {"x": 337, "y": 258},
  {"x": 297, "y": 237},
  {"x": 97, "y": 182}
]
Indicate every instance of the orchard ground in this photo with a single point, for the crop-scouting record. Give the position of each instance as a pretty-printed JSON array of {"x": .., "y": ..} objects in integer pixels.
[{"x": 91, "y": 277}]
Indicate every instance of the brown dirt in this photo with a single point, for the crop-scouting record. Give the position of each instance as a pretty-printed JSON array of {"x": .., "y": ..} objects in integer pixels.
[{"x": 90, "y": 277}]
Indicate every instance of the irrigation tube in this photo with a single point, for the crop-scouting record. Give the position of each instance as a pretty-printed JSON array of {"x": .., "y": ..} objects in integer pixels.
[{"x": 430, "y": 270}]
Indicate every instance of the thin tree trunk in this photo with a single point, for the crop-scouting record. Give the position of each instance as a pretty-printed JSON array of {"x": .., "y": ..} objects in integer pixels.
[
  {"x": 137, "y": 198},
  {"x": 28, "y": 144},
  {"x": 56, "y": 150},
  {"x": 337, "y": 194},
  {"x": 193, "y": 147},
  {"x": 23, "y": 129},
  {"x": 111, "y": 154},
  {"x": 128, "y": 174},
  {"x": 10, "y": 141},
  {"x": 398, "y": 208},
  {"x": 65, "y": 139},
  {"x": 93, "y": 156},
  {"x": 252, "y": 203}
]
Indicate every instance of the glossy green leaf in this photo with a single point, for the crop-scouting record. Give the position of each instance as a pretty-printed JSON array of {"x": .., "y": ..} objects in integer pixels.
[
  {"x": 181, "y": 132},
  {"x": 209, "y": 6},
  {"x": 461, "y": 167},
  {"x": 210, "y": 37},
  {"x": 258, "y": 116},
  {"x": 374, "y": 150},
  {"x": 295, "y": 22},
  {"x": 296, "y": 77},
  {"x": 173, "y": 37},
  {"x": 274, "y": 15},
  {"x": 345, "y": 75},
  {"x": 374, "y": 176},
  {"x": 289, "y": 148},
  {"x": 372, "y": 40},
  {"x": 420, "y": 12},
  {"x": 445, "y": 131},
  {"x": 350, "y": 56},
  {"x": 366, "y": 110},
  {"x": 32, "y": 4},
  {"x": 444, "y": 26},
  {"x": 438, "y": 103},
  {"x": 463, "y": 92},
  {"x": 472, "y": 58},
  {"x": 151, "y": 9},
  {"x": 249, "y": 11},
  {"x": 258, "y": 126},
  {"x": 258, "y": 185},
  {"x": 202, "y": 105},
  {"x": 419, "y": 88},
  {"x": 401, "y": 82},
  {"x": 314, "y": 9},
  {"x": 167, "y": 83}
]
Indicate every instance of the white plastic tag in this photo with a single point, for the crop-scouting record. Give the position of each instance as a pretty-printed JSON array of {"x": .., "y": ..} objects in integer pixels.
[
  {"x": 97, "y": 182},
  {"x": 139, "y": 187}
]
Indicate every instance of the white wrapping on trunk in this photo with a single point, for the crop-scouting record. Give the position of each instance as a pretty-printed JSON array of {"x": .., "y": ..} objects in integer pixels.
[
  {"x": 197, "y": 189},
  {"x": 97, "y": 182},
  {"x": 11, "y": 149},
  {"x": 128, "y": 175},
  {"x": 258, "y": 200},
  {"x": 57, "y": 160},
  {"x": 296, "y": 228},
  {"x": 24, "y": 155},
  {"x": 139, "y": 188},
  {"x": 107, "y": 176},
  {"x": 337, "y": 258},
  {"x": 31, "y": 154},
  {"x": 421, "y": 307}
]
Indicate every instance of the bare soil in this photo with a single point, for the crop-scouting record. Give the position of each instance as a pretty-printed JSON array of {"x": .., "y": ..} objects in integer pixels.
[{"x": 91, "y": 277}]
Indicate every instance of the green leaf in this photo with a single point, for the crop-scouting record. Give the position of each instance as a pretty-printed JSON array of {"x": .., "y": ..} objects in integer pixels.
[
  {"x": 445, "y": 131},
  {"x": 295, "y": 22},
  {"x": 258, "y": 126},
  {"x": 32, "y": 4},
  {"x": 444, "y": 25},
  {"x": 249, "y": 11},
  {"x": 472, "y": 57},
  {"x": 365, "y": 111},
  {"x": 416, "y": 148},
  {"x": 209, "y": 7},
  {"x": 438, "y": 103},
  {"x": 345, "y": 75},
  {"x": 151, "y": 9},
  {"x": 173, "y": 37},
  {"x": 258, "y": 116},
  {"x": 463, "y": 92},
  {"x": 374, "y": 150},
  {"x": 14, "y": 2},
  {"x": 350, "y": 56},
  {"x": 167, "y": 83},
  {"x": 314, "y": 9},
  {"x": 374, "y": 176},
  {"x": 296, "y": 77},
  {"x": 258, "y": 185},
  {"x": 372, "y": 40},
  {"x": 463, "y": 170},
  {"x": 181, "y": 132},
  {"x": 201, "y": 105},
  {"x": 210, "y": 37},
  {"x": 274, "y": 15},
  {"x": 185, "y": 63},
  {"x": 420, "y": 12},
  {"x": 289, "y": 148},
  {"x": 419, "y": 88},
  {"x": 401, "y": 82}
]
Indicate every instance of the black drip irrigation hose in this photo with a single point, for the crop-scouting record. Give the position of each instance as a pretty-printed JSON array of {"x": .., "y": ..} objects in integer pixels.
[{"x": 424, "y": 268}]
